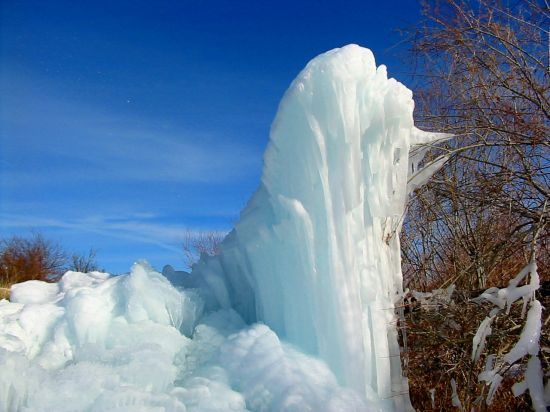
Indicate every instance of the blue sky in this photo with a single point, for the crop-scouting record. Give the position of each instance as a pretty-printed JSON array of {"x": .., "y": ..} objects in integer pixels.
[{"x": 126, "y": 124}]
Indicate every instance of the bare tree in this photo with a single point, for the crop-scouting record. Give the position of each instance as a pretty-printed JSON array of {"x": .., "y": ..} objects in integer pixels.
[{"x": 484, "y": 76}]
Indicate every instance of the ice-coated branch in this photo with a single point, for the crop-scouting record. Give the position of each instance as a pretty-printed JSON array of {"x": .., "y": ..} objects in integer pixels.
[{"x": 528, "y": 343}]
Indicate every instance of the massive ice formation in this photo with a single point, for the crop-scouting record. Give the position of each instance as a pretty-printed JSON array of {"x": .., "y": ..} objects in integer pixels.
[{"x": 315, "y": 255}]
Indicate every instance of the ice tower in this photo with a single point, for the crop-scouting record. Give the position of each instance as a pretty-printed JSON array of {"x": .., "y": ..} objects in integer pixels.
[{"x": 316, "y": 254}]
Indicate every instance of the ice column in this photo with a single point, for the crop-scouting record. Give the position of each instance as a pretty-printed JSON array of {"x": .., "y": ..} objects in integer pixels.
[{"x": 316, "y": 252}]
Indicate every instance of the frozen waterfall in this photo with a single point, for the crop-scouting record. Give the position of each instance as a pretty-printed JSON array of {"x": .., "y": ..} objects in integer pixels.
[{"x": 315, "y": 255}]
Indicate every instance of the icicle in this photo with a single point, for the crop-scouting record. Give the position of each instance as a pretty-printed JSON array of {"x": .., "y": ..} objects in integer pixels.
[
  {"x": 495, "y": 383},
  {"x": 483, "y": 331},
  {"x": 420, "y": 177},
  {"x": 528, "y": 342},
  {"x": 455, "y": 399},
  {"x": 422, "y": 138}
]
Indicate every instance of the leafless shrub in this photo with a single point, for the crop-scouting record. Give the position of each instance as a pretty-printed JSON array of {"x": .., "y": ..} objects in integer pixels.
[
  {"x": 84, "y": 263},
  {"x": 196, "y": 244},
  {"x": 36, "y": 258},
  {"x": 24, "y": 259}
]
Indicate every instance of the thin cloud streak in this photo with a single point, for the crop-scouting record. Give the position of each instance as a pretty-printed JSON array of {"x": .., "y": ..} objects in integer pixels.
[{"x": 165, "y": 236}]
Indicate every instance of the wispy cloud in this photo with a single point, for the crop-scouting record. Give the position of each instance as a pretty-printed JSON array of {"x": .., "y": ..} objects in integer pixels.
[{"x": 164, "y": 235}]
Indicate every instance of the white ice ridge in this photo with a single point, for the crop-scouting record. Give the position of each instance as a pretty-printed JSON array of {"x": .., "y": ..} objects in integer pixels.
[{"x": 316, "y": 255}]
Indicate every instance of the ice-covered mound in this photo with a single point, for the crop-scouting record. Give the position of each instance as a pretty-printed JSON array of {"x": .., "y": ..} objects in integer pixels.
[
  {"x": 95, "y": 342},
  {"x": 316, "y": 253}
]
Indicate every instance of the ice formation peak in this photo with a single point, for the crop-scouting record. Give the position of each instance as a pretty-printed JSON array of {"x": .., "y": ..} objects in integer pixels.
[{"x": 316, "y": 255}]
